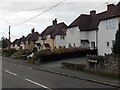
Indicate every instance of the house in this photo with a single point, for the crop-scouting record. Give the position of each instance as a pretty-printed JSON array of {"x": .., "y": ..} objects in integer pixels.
[
  {"x": 16, "y": 44},
  {"x": 29, "y": 41},
  {"x": 95, "y": 31},
  {"x": 83, "y": 31},
  {"x": 54, "y": 36},
  {"x": 107, "y": 28}
]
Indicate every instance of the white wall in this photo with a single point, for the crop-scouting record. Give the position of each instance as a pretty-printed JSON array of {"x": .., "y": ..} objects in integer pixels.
[
  {"x": 92, "y": 36},
  {"x": 59, "y": 41},
  {"x": 73, "y": 36},
  {"x": 106, "y": 35},
  {"x": 88, "y": 35},
  {"x": 15, "y": 47}
]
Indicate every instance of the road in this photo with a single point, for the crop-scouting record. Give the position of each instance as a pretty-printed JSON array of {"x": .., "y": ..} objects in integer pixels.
[{"x": 19, "y": 76}]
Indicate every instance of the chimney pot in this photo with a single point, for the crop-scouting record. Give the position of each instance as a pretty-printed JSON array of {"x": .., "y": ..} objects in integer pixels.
[
  {"x": 33, "y": 30},
  {"x": 55, "y": 22},
  {"x": 93, "y": 12},
  {"x": 110, "y": 6}
]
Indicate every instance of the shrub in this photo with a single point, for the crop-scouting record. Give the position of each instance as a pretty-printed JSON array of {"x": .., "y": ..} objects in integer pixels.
[
  {"x": 8, "y": 52},
  {"x": 19, "y": 54},
  {"x": 38, "y": 54},
  {"x": 116, "y": 46},
  {"x": 66, "y": 50}
]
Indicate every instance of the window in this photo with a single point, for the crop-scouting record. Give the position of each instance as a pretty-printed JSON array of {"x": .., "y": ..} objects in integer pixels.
[
  {"x": 108, "y": 44},
  {"x": 69, "y": 44},
  {"x": 74, "y": 44},
  {"x": 93, "y": 45},
  {"x": 110, "y": 23},
  {"x": 62, "y": 37},
  {"x": 72, "y": 30}
]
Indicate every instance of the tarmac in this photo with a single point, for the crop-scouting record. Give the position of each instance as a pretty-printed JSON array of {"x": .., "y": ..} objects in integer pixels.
[{"x": 55, "y": 67}]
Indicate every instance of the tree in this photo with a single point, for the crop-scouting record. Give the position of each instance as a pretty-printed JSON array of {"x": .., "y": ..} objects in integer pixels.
[
  {"x": 4, "y": 43},
  {"x": 116, "y": 46}
]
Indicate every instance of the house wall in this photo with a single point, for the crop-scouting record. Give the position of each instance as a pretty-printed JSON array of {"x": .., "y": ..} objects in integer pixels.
[
  {"x": 49, "y": 41},
  {"x": 73, "y": 37},
  {"x": 15, "y": 47},
  {"x": 29, "y": 46},
  {"x": 60, "y": 42},
  {"x": 22, "y": 45},
  {"x": 41, "y": 43},
  {"x": 90, "y": 36},
  {"x": 106, "y": 35}
]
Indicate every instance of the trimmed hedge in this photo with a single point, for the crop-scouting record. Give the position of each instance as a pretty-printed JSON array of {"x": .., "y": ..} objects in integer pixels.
[
  {"x": 60, "y": 54},
  {"x": 66, "y": 55}
]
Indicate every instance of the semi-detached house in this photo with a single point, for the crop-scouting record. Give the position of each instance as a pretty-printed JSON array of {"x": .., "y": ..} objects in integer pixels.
[
  {"x": 95, "y": 31},
  {"x": 53, "y": 36}
]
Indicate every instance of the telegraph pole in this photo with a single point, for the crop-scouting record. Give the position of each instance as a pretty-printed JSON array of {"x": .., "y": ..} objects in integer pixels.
[
  {"x": 9, "y": 33},
  {"x": 9, "y": 37}
]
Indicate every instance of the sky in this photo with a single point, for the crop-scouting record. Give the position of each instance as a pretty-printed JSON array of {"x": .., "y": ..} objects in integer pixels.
[{"x": 23, "y": 15}]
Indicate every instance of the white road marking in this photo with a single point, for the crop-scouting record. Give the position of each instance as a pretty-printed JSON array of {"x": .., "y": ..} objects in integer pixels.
[
  {"x": 11, "y": 73},
  {"x": 37, "y": 84}
]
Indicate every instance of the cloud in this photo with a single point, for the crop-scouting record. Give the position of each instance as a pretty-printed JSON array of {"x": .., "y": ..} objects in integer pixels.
[{"x": 13, "y": 13}]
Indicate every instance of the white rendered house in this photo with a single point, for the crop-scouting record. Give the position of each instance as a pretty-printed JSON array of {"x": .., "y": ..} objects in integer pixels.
[
  {"x": 106, "y": 35},
  {"x": 95, "y": 31}
]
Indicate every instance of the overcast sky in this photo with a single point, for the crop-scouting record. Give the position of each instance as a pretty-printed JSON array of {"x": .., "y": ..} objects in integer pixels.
[{"x": 14, "y": 13}]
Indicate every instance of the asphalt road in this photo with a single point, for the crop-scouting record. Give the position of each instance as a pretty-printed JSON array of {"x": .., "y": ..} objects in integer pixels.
[{"x": 19, "y": 76}]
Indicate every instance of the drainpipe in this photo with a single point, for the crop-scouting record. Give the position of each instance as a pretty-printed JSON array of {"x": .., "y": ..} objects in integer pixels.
[
  {"x": 53, "y": 44},
  {"x": 97, "y": 41}
]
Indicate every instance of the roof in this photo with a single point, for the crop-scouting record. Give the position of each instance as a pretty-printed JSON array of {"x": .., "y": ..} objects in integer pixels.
[
  {"x": 32, "y": 36},
  {"x": 53, "y": 30},
  {"x": 18, "y": 41},
  {"x": 91, "y": 22}
]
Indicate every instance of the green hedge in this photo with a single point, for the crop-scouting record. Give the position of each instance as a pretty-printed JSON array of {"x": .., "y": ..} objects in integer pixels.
[
  {"x": 8, "y": 52},
  {"x": 38, "y": 55},
  {"x": 18, "y": 54}
]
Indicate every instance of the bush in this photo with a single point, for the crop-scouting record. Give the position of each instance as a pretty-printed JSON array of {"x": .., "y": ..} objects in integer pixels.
[
  {"x": 18, "y": 54},
  {"x": 38, "y": 54},
  {"x": 56, "y": 52},
  {"x": 8, "y": 52},
  {"x": 66, "y": 50}
]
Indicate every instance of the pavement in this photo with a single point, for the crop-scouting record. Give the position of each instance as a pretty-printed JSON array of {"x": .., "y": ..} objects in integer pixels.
[{"x": 55, "y": 67}]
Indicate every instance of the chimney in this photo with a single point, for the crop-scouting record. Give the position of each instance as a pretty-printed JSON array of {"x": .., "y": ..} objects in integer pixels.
[
  {"x": 33, "y": 30},
  {"x": 93, "y": 12},
  {"x": 55, "y": 22},
  {"x": 23, "y": 36},
  {"x": 110, "y": 6}
]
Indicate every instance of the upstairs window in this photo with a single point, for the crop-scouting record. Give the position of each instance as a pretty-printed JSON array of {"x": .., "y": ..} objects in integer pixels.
[
  {"x": 72, "y": 31},
  {"x": 62, "y": 37},
  {"x": 110, "y": 23}
]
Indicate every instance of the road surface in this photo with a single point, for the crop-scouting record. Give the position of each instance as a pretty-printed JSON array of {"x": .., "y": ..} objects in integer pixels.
[{"x": 19, "y": 76}]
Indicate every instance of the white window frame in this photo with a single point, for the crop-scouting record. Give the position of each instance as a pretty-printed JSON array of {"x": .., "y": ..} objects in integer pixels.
[{"x": 110, "y": 23}]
